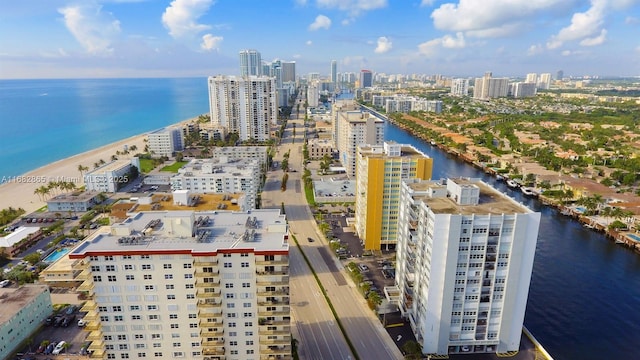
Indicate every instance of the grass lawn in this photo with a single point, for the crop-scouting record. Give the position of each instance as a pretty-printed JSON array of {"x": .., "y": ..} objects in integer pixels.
[
  {"x": 174, "y": 167},
  {"x": 146, "y": 165}
]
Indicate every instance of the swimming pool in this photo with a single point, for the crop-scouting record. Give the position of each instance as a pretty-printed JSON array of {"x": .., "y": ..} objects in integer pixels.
[
  {"x": 580, "y": 209},
  {"x": 634, "y": 237},
  {"x": 54, "y": 256}
]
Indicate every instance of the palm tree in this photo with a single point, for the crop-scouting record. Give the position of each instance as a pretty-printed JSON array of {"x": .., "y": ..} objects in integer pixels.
[{"x": 82, "y": 169}]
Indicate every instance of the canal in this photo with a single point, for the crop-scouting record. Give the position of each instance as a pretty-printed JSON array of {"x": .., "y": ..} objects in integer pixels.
[{"x": 584, "y": 299}]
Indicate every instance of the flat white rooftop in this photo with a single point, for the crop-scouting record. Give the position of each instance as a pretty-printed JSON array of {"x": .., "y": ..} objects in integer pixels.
[{"x": 191, "y": 232}]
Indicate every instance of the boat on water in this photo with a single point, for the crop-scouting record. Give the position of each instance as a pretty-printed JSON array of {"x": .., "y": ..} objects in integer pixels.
[
  {"x": 499, "y": 177},
  {"x": 528, "y": 191},
  {"x": 433, "y": 143},
  {"x": 512, "y": 184}
]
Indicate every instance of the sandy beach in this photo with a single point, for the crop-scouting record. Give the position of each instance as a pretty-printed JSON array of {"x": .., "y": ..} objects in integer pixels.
[{"x": 18, "y": 192}]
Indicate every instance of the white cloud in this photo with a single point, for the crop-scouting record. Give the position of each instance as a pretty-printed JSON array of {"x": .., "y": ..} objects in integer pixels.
[
  {"x": 426, "y": 3},
  {"x": 630, "y": 20},
  {"x": 352, "y": 7},
  {"x": 384, "y": 45},
  {"x": 321, "y": 22},
  {"x": 593, "y": 41},
  {"x": 583, "y": 25},
  {"x": 452, "y": 43},
  {"x": 297, "y": 56},
  {"x": 210, "y": 42},
  {"x": 181, "y": 15},
  {"x": 431, "y": 47},
  {"x": 309, "y": 42},
  {"x": 566, "y": 53},
  {"x": 92, "y": 28},
  {"x": 488, "y": 18},
  {"x": 535, "y": 49}
]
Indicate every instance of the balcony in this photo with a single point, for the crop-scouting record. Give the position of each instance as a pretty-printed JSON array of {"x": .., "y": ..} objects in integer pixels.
[
  {"x": 91, "y": 315},
  {"x": 83, "y": 275},
  {"x": 213, "y": 343},
  {"x": 205, "y": 332},
  {"x": 96, "y": 344},
  {"x": 281, "y": 291},
  {"x": 97, "y": 354},
  {"x": 210, "y": 284},
  {"x": 274, "y": 313},
  {"x": 274, "y": 272},
  {"x": 214, "y": 273},
  {"x": 87, "y": 286},
  {"x": 95, "y": 335},
  {"x": 93, "y": 325},
  {"x": 286, "y": 330},
  {"x": 285, "y": 340},
  {"x": 274, "y": 322},
  {"x": 217, "y": 321},
  {"x": 213, "y": 352},
  {"x": 207, "y": 295},
  {"x": 88, "y": 306},
  {"x": 209, "y": 303},
  {"x": 284, "y": 262},
  {"x": 275, "y": 350},
  {"x": 203, "y": 263},
  {"x": 282, "y": 281}
]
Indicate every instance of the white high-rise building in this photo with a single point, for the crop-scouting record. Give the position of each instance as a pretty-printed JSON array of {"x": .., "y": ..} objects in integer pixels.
[
  {"x": 247, "y": 106},
  {"x": 165, "y": 141},
  {"x": 464, "y": 261},
  {"x": 460, "y": 87},
  {"x": 488, "y": 87},
  {"x": 355, "y": 128},
  {"x": 544, "y": 81},
  {"x": 313, "y": 93},
  {"x": 185, "y": 284},
  {"x": 250, "y": 63},
  {"x": 531, "y": 78},
  {"x": 525, "y": 89}
]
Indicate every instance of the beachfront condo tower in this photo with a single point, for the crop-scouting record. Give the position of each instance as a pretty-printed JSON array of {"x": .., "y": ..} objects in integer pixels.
[
  {"x": 380, "y": 172},
  {"x": 246, "y": 105},
  {"x": 464, "y": 260},
  {"x": 185, "y": 284},
  {"x": 250, "y": 63}
]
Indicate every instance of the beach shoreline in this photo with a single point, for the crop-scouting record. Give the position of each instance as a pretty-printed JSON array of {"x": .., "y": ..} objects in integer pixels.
[{"x": 19, "y": 191}]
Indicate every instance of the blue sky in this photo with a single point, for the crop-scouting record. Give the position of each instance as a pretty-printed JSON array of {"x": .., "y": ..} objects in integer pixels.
[{"x": 137, "y": 38}]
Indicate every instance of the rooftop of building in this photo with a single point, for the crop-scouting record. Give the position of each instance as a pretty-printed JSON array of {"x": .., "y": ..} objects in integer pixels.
[
  {"x": 76, "y": 196},
  {"x": 491, "y": 202},
  {"x": 164, "y": 201},
  {"x": 219, "y": 166},
  {"x": 111, "y": 166},
  {"x": 203, "y": 233},
  {"x": 406, "y": 150},
  {"x": 12, "y": 300}
]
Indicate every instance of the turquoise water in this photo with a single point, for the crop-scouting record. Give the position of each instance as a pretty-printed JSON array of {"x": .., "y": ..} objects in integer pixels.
[
  {"x": 54, "y": 256},
  {"x": 580, "y": 209},
  {"x": 634, "y": 237},
  {"x": 42, "y": 121}
]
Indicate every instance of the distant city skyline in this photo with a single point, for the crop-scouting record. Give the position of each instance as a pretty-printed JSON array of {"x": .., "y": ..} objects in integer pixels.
[{"x": 180, "y": 38}]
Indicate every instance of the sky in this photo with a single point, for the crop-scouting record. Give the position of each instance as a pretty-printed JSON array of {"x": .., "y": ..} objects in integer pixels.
[{"x": 192, "y": 38}]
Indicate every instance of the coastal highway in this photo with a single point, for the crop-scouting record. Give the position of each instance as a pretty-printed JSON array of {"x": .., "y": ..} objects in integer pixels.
[{"x": 366, "y": 333}]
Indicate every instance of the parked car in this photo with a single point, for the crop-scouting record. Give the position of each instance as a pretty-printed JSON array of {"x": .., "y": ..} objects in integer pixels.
[
  {"x": 50, "y": 348},
  {"x": 58, "y": 348},
  {"x": 82, "y": 323},
  {"x": 71, "y": 309},
  {"x": 363, "y": 268},
  {"x": 5, "y": 283},
  {"x": 310, "y": 239}
]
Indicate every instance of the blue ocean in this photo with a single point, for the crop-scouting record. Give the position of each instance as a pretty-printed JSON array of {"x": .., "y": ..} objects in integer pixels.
[{"x": 42, "y": 121}]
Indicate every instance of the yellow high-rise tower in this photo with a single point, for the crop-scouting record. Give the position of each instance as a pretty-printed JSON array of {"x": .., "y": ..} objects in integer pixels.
[{"x": 379, "y": 174}]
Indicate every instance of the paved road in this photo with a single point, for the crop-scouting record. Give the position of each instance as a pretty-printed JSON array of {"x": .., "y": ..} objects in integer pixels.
[{"x": 369, "y": 338}]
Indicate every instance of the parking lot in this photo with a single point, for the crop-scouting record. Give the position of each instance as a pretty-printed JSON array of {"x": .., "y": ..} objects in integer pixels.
[{"x": 55, "y": 332}]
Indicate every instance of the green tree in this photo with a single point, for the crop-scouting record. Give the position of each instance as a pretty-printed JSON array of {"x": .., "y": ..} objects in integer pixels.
[
  {"x": 412, "y": 350},
  {"x": 32, "y": 258}
]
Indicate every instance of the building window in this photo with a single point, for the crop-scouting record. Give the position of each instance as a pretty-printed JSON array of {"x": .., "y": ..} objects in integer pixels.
[
  {"x": 149, "y": 287},
  {"x": 174, "y": 326},
  {"x": 167, "y": 266},
  {"x": 146, "y": 266},
  {"x": 187, "y": 266},
  {"x": 228, "y": 286},
  {"x": 169, "y": 286},
  {"x": 130, "y": 277},
  {"x": 246, "y": 285},
  {"x": 171, "y": 297},
  {"x": 233, "y": 343},
  {"x": 188, "y": 276},
  {"x": 97, "y": 278},
  {"x": 112, "y": 278},
  {"x": 152, "y": 307},
  {"x": 244, "y": 265},
  {"x": 110, "y": 268},
  {"x": 168, "y": 276},
  {"x": 227, "y": 264}
]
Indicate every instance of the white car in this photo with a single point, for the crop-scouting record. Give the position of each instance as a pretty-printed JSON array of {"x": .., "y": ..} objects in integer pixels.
[
  {"x": 58, "y": 348},
  {"x": 5, "y": 283},
  {"x": 81, "y": 323}
]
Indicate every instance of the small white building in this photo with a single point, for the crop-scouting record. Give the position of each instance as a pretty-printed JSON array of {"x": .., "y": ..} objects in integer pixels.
[
  {"x": 24, "y": 309},
  {"x": 318, "y": 148},
  {"x": 220, "y": 176},
  {"x": 165, "y": 141},
  {"x": 75, "y": 201},
  {"x": 110, "y": 176}
]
